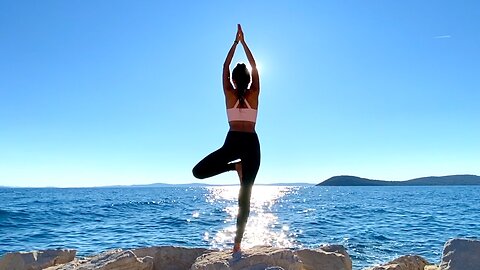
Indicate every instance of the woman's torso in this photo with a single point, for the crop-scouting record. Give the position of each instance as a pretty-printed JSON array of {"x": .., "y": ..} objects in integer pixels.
[{"x": 251, "y": 97}]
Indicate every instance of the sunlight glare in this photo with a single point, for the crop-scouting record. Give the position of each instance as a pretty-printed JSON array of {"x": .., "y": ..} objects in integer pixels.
[
  {"x": 249, "y": 67},
  {"x": 263, "y": 226}
]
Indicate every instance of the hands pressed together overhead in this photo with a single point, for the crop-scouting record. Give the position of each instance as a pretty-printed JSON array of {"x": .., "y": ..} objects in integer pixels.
[{"x": 239, "y": 37}]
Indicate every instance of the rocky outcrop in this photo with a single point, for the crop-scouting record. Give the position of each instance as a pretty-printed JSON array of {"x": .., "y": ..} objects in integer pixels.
[
  {"x": 263, "y": 257},
  {"x": 36, "y": 260},
  {"x": 408, "y": 262},
  {"x": 178, "y": 258},
  {"x": 461, "y": 254},
  {"x": 458, "y": 254}
]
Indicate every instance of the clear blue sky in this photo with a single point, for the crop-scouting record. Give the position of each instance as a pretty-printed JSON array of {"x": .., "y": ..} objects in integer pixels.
[{"x": 129, "y": 92}]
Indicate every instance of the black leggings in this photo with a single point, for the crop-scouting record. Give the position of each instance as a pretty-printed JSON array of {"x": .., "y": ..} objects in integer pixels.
[{"x": 238, "y": 145}]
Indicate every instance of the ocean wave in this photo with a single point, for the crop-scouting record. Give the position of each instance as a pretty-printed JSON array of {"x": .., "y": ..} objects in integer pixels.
[
  {"x": 128, "y": 204},
  {"x": 4, "y": 213},
  {"x": 20, "y": 215}
]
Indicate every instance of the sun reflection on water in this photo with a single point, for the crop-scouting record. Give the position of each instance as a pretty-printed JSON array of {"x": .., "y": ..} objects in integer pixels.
[{"x": 263, "y": 226}]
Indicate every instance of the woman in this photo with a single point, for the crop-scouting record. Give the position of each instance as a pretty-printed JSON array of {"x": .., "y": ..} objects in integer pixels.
[{"x": 241, "y": 142}]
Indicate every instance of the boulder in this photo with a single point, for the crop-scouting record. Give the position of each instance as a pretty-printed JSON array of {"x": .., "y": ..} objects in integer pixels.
[
  {"x": 408, "y": 262},
  {"x": 461, "y": 254},
  {"x": 264, "y": 257},
  {"x": 36, "y": 260},
  {"x": 333, "y": 257},
  {"x": 170, "y": 258}
]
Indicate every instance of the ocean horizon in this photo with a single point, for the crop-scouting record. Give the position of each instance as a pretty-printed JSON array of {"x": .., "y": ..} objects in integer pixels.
[
  {"x": 153, "y": 185},
  {"x": 375, "y": 224}
]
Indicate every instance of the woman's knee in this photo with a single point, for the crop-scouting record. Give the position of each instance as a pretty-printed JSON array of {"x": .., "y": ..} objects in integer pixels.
[
  {"x": 249, "y": 171},
  {"x": 197, "y": 172}
]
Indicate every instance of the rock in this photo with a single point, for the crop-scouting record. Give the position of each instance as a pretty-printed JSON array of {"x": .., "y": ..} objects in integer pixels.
[
  {"x": 333, "y": 257},
  {"x": 124, "y": 260},
  {"x": 177, "y": 258},
  {"x": 170, "y": 258},
  {"x": 36, "y": 259},
  {"x": 461, "y": 254},
  {"x": 259, "y": 257},
  {"x": 150, "y": 258},
  {"x": 110, "y": 260},
  {"x": 263, "y": 257},
  {"x": 408, "y": 262}
]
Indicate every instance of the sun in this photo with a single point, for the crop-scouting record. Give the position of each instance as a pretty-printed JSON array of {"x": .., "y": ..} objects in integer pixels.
[{"x": 249, "y": 67}]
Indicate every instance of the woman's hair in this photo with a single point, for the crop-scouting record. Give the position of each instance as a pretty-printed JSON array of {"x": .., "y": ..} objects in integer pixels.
[{"x": 241, "y": 77}]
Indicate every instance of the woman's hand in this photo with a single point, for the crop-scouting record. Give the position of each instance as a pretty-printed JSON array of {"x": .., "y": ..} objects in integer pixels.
[
  {"x": 255, "y": 78},
  {"x": 239, "y": 36}
]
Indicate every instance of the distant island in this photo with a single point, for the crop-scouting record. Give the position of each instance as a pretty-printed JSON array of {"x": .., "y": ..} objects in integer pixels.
[{"x": 449, "y": 180}]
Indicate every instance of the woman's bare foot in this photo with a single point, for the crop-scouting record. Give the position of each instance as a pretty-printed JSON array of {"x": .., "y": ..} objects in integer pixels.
[
  {"x": 236, "y": 247},
  {"x": 238, "y": 168}
]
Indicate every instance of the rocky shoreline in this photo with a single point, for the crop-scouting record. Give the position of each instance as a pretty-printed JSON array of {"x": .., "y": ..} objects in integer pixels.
[{"x": 458, "y": 254}]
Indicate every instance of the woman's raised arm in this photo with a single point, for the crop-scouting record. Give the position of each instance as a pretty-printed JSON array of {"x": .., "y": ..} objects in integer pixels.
[
  {"x": 255, "y": 77},
  {"x": 227, "y": 84}
]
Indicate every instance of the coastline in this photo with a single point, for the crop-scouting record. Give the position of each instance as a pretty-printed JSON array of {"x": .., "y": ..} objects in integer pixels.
[
  {"x": 374, "y": 224},
  {"x": 458, "y": 254}
]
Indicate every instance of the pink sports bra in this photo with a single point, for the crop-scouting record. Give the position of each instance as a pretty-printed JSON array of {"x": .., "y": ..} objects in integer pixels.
[{"x": 242, "y": 114}]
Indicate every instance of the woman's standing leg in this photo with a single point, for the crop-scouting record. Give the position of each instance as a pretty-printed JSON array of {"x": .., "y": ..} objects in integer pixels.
[
  {"x": 250, "y": 161},
  {"x": 243, "y": 213}
]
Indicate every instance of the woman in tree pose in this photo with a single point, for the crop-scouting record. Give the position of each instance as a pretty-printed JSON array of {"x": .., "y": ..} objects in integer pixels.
[{"x": 241, "y": 142}]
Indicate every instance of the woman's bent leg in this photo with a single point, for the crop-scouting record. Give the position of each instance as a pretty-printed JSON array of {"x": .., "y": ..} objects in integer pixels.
[{"x": 215, "y": 163}]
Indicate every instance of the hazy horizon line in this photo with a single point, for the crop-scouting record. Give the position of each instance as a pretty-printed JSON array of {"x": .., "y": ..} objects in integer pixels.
[
  {"x": 166, "y": 185},
  {"x": 236, "y": 184}
]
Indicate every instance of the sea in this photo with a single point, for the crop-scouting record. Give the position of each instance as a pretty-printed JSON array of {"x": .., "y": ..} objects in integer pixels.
[{"x": 375, "y": 224}]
